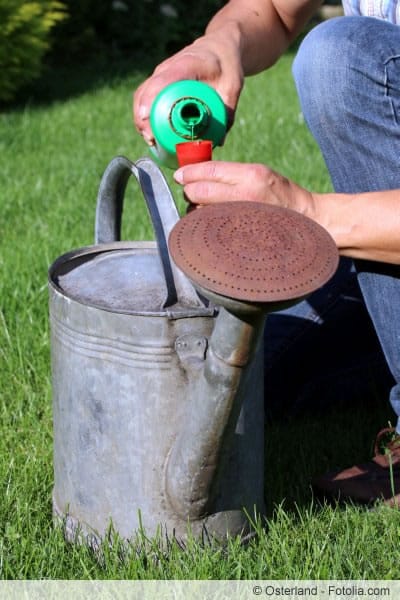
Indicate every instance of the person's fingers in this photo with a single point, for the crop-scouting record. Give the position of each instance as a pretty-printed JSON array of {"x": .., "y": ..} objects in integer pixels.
[
  {"x": 206, "y": 192},
  {"x": 142, "y": 102},
  {"x": 214, "y": 170},
  {"x": 219, "y": 181}
]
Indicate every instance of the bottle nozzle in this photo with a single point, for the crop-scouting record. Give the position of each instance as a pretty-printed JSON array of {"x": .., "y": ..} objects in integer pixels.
[
  {"x": 189, "y": 118},
  {"x": 196, "y": 151}
]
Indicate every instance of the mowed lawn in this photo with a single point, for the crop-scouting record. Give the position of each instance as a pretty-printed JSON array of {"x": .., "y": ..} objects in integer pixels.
[{"x": 53, "y": 154}]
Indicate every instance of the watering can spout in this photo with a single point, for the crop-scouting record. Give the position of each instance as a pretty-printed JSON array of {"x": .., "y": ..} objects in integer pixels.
[
  {"x": 211, "y": 418},
  {"x": 250, "y": 259}
]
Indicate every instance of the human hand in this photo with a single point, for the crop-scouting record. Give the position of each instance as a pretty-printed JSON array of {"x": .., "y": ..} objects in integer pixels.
[
  {"x": 211, "y": 59},
  {"x": 218, "y": 181}
]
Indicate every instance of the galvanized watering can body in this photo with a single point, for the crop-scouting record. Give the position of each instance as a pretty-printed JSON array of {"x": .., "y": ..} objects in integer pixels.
[{"x": 157, "y": 396}]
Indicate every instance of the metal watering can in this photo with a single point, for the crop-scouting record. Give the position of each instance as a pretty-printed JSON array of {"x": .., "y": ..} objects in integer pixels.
[{"x": 157, "y": 375}]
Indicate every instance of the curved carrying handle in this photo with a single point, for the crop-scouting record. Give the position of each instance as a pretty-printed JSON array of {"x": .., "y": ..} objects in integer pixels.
[{"x": 163, "y": 215}]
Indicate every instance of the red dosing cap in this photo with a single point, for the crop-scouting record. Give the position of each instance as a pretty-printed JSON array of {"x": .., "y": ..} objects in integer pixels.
[{"x": 193, "y": 152}]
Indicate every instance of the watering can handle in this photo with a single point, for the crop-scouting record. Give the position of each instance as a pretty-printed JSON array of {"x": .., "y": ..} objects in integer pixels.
[{"x": 163, "y": 215}]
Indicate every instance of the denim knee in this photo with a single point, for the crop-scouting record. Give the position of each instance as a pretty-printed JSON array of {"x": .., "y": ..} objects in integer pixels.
[
  {"x": 340, "y": 60},
  {"x": 347, "y": 73},
  {"x": 320, "y": 69}
]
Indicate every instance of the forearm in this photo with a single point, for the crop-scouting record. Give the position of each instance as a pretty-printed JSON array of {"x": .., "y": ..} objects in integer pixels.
[
  {"x": 365, "y": 226},
  {"x": 262, "y": 29}
]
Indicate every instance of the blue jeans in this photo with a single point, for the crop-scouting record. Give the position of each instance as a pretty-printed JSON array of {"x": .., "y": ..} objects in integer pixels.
[{"x": 346, "y": 336}]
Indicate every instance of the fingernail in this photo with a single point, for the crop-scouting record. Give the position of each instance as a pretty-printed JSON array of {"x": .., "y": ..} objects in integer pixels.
[
  {"x": 143, "y": 112},
  {"x": 148, "y": 139},
  {"x": 178, "y": 176}
]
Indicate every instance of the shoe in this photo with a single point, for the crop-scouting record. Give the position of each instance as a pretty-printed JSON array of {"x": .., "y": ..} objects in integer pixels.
[
  {"x": 378, "y": 479},
  {"x": 393, "y": 502}
]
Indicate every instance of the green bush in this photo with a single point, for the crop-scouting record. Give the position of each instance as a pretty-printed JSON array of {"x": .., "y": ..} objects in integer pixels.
[{"x": 24, "y": 38}]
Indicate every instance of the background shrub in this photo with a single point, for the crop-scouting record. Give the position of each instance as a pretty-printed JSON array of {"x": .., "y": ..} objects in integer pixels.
[{"x": 24, "y": 38}]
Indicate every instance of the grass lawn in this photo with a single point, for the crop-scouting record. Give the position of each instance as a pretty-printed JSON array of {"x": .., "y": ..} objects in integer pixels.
[{"x": 53, "y": 155}]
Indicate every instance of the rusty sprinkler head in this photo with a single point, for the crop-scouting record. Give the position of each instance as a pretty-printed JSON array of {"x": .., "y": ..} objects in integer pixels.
[{"x": 253, "y": 253}]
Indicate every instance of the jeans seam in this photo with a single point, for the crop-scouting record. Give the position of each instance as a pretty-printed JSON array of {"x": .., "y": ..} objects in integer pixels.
[{"x": 387, "y": 94}]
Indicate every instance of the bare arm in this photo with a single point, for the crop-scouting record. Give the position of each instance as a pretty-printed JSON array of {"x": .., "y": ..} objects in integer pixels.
[
  {"x": 365, "y": 225},
  {"x": 263, "y": 28}
]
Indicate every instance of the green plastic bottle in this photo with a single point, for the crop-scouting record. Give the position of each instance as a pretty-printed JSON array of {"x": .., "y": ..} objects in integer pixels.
[{"x": 186, "y": 111}]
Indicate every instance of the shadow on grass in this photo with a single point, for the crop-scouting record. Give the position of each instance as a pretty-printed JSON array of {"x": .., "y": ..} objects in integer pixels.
[
  {"x": 62, "y": 82},
  {"x": 309, "y": 445}
]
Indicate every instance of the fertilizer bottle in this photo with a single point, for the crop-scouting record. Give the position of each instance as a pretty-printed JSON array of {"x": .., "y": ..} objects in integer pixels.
[{"x": 187, "y": 111}]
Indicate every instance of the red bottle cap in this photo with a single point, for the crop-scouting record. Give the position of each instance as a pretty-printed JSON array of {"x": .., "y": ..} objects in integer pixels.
[{"x": 193, "y": 152}]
